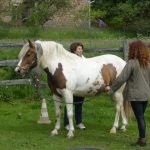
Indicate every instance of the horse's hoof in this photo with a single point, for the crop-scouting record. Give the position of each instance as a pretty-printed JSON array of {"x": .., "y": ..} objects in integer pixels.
[
  {"x": 123, "y": 128},
  {"x": 54, "y": 132},
  {"x": 113, "y": 130},
  {"x": 70, "y": 135}
]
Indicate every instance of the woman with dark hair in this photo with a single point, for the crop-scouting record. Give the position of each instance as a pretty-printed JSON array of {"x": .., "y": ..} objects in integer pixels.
[
  {"x": 136, "y": 74},
  {"x": 76, "y": 48}
]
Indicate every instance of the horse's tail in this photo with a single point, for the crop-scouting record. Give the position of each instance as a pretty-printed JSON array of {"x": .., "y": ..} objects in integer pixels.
[{"x": 128, "y": 110}]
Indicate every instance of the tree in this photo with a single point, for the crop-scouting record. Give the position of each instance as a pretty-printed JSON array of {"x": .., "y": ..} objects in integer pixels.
[{"x": 127, "y": 14}]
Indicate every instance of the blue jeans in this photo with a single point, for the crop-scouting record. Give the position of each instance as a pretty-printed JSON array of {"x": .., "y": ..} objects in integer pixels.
[
  {"x": 78, "y": 110},
  {"x": 139, "y": 108}
]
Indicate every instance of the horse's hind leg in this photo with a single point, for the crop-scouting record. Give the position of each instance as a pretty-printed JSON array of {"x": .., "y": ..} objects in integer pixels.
[
  {"x": 124, "y": 119},
  {"x": 117, "y": 115},
  {"x": 57, "y": 102},
  {"x": 119, "y": 110},
  {"x": 119, "y": 98}
]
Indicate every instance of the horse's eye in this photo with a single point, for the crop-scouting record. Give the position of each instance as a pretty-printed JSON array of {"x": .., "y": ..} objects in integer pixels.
[{"x": 28, "y": 55}]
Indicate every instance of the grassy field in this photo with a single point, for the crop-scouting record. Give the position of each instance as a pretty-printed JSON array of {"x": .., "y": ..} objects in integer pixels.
[
  {"x": 60, "y": 33},
  {"x": 93, "y": 38},
  {"x": 23, "y": 133}
]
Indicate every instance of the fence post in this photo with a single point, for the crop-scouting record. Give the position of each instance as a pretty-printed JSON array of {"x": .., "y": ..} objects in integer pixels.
[{"x": 125, "y": 50}]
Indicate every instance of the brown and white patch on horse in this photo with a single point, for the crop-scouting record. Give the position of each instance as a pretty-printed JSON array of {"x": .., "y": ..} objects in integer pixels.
[
  {"x": 108, "y": 73},
  {"x": 57, "y": 80}
]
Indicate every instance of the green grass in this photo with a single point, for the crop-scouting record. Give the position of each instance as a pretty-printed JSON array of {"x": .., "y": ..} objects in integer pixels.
[
  {"x": 25, "y": 134},
  {"x": 61, "y": 33},
  {"x": 9, "y": 53}
]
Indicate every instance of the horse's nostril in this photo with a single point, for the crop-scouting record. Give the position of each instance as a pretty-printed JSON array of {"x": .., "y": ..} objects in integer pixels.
[{"x": 17, "y": 70}]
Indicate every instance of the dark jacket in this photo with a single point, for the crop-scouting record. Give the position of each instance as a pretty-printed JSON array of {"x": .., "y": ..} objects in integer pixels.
[{"x": 137, "y": 80}]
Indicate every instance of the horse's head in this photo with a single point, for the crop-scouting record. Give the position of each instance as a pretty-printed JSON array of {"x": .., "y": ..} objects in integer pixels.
[{"x": 28, "y": 57}]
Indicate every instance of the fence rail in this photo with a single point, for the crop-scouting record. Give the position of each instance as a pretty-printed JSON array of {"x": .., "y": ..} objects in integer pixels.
[
  {"x": 100, "y": 50},
  {"x": 16, "y": 82},
  {"x": 4, "y": 63},
  {"x": 10, "y": 45}
]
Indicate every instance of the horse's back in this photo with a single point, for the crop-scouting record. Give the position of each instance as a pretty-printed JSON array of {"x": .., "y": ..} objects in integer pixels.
[
  {"x": 116, "y": 61},
  {"x": 108, "y": 58}
]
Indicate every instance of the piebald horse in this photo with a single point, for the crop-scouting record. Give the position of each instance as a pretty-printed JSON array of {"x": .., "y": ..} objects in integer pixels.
[{"x": 68, "y": 75}]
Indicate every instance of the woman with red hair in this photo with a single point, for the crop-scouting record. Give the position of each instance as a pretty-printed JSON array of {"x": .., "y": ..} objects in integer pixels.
[{"x": 136, "y": 74}]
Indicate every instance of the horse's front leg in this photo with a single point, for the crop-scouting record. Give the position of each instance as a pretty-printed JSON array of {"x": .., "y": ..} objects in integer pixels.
[
  {"x": 69, "y": 105},
  {"x": 57, "y": 102},
  {"x": 70, "y": 118}
]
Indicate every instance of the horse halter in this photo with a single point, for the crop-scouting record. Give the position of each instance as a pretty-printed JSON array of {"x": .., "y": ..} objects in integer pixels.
[{"x": 27, "y": 67}]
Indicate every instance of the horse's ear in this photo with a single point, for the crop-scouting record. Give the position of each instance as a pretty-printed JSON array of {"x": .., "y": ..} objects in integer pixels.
[
  {"x": 39, "y": 49},
  {"x": 31, "y": 44}
]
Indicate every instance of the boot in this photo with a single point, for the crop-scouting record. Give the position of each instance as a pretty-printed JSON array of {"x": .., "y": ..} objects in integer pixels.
[{"x": 140, "y": 142}]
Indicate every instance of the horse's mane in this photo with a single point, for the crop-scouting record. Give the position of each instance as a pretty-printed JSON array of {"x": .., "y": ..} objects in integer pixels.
[
  {"x": 50, "y": 47},
  {"x": 58, "y": 50}
]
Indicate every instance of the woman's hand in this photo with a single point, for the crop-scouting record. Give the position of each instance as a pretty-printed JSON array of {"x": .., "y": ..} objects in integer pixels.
[{"x": 107, "y": 88}]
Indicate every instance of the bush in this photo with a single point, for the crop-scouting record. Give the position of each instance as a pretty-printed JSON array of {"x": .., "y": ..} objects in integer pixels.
[{"x": 130, "y": 15}]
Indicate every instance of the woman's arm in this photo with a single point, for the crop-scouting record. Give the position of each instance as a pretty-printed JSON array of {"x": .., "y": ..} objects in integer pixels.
[{"x": 122, "y": 78}]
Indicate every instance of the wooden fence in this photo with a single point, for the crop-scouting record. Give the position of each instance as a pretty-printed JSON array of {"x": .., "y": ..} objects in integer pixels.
[{"x": 6, "y": 63}]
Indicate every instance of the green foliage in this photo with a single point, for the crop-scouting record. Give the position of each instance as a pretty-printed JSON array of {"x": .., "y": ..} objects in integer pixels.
[
  {"x": 39, "y": 15},
  {"x": 95, "y": 14},
  {"x": 127, "y": 11},
  {"x": 141, "y": 26},
  {"x": 130, "y": 15},
  {"x": 116, "y": 22},
  {"x": 143, "y": 8}
]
